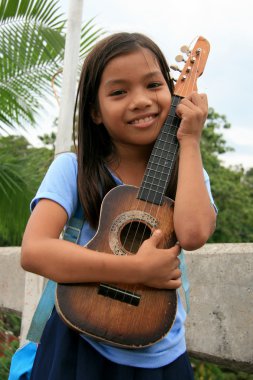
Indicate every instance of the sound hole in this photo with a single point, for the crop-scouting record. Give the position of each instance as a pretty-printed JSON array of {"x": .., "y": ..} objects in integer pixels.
[{"x": 133, "y": 234}]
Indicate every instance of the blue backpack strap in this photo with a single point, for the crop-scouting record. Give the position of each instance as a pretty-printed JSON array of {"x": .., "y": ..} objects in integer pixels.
[
  {"x": 45, "y": 306},
  {"x": 185, "y": 281}
]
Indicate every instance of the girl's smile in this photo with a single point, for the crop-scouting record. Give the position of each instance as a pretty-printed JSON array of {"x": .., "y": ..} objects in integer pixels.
[
  {"x": 144, "y": 121},
  {"x": 133, "y": 99}
]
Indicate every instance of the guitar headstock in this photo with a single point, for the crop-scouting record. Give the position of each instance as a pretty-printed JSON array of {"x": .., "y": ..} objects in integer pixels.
[{"x": 193, "y": 68}]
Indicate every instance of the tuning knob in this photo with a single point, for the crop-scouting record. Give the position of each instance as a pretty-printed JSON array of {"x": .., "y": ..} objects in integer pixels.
[
  {"x": 180, "y": 58},
  {"x": 175, "y": 68},
  {"x": 185, "y": 49}
]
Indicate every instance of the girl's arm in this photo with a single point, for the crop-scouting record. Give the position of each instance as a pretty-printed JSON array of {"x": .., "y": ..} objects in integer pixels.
[
  {"x": 62, "y": 261},
  {"x": 194, "y": 215}
]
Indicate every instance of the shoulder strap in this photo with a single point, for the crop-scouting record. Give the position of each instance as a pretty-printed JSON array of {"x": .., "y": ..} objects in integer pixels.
[{"x": 45, "y": 306}]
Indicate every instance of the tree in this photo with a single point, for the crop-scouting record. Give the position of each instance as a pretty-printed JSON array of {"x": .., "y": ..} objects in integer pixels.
[
  {"x": 231, "y": 187},
  {"x": 22, "y": 169},
  {"x": 32, "y": 40},
  {"x": 32, "y": 46}
]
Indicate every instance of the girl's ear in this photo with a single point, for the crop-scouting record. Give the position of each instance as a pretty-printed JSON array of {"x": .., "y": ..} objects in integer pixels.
[{"x": 96, "y": 116}]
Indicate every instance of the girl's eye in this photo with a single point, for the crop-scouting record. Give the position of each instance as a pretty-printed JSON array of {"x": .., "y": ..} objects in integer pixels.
[
  {"x": 117, "y": 92},
  {"x": 154, "y": 84}
]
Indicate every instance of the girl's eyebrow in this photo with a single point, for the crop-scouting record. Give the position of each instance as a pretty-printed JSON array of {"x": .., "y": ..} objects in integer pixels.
[{"x": 116, "y": 81}]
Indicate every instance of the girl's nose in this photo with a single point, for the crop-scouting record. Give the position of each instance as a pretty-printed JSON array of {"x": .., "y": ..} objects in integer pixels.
[{"x": 140, "y": 100}]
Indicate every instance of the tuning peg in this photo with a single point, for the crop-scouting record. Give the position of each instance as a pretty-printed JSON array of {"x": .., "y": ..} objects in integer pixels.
[
  {"x": 180, "y": 58},
  {"x": 175, "y": 68},
  {"x": 185, "y": 49}
]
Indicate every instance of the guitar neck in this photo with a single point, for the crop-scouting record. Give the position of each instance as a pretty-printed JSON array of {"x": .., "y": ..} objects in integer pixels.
[{"x": 162, "y": 159}]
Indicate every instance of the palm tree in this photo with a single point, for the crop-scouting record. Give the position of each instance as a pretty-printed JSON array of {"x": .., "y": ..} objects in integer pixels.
[
  {"x": 32, "y": 40},
  {"x": 22, "y": 167},
  {"x": 31, "y": 46}
]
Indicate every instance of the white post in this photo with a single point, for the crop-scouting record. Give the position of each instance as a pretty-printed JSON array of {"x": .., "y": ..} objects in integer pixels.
[{"x": 71, "y": 55}]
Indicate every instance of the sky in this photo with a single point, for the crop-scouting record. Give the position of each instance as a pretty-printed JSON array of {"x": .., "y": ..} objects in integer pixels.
[{"x": 226, "y": 24}]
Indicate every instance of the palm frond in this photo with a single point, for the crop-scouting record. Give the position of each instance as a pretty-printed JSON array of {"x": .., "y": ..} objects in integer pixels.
[
  {"x": 42, "y": 11},
  {"x": 30, "y": 53},
  {"x": 21, "y": 170},
  {"x": 89, "y": 35}
]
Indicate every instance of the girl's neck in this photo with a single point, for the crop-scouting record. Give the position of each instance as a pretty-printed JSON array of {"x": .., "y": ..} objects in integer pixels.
[{"x": 130, "y": 165}]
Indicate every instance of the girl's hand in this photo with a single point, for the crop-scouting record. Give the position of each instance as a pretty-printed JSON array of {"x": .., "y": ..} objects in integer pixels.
[
  {"x": 159, "y": 267},
  {"x": 193, "y": 111}
]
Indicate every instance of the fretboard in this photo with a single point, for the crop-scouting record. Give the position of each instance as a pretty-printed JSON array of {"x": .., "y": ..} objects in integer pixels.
[{"x": 162, "y": 159}]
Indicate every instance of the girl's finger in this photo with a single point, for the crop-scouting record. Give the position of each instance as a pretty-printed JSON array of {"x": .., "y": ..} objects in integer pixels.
[
  {"x": 198, "y": 99},
  {"x": 174, "y": 284}
]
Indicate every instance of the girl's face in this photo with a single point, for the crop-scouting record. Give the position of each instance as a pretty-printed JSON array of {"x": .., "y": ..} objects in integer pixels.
[{"x": 133, "y": 99}]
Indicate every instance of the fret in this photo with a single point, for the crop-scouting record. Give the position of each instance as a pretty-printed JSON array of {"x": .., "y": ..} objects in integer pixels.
[
  {"x": 164, "y": 139},
  {"x": 153, "y": 176},
  {"x": 154, "y": 185},
  {"x": 151, "y": 196},
  {"x": 169, "y": 137},
  {"x": 157, "y": 167},
  {"x": 165, "y": 154},
  {"x": 164, "y": 148},
  {"x": 162, "y": 159},
  {"x": 158, "y": 180}
]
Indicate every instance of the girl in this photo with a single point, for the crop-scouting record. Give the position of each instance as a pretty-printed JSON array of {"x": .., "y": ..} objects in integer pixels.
[{"x": 124, "y": 96}]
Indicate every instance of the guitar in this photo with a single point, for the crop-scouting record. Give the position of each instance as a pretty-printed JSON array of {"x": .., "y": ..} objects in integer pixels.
[{"x": 134, "y": 316}]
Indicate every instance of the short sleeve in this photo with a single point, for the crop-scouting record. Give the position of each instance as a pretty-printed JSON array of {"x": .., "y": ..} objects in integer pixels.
[
  {"x": 60, "y": 183},
  {"x": 208, "y": 186}
]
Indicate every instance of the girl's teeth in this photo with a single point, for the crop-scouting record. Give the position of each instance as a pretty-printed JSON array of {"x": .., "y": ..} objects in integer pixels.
[{"x": 142, "y": 120}]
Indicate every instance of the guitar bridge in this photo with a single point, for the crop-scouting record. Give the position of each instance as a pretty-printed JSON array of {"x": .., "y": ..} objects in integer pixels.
[{"x": 119, "y": 294}]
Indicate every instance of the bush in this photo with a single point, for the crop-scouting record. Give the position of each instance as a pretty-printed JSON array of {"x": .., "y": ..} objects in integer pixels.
[
  {"x": 9, "y": 332},
  {"x": 209, "y": 371}
]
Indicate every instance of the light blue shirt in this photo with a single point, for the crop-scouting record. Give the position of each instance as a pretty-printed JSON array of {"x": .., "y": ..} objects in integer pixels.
[{"x": 60, "y": 185}]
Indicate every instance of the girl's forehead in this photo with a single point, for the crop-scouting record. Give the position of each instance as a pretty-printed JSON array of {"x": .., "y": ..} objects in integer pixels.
[{"x": 139, "y": 60}]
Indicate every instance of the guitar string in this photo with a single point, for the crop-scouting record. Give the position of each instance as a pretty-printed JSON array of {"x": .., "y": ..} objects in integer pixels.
[
  {"x": 165, "y": 142},
  {"x": 173, "y": 158},
  {"x": 129, "y": 227},
  {"x": 130, "y": 224},
  {"x": 168, "y": 144},
  {"x": 186, "y": 86}
]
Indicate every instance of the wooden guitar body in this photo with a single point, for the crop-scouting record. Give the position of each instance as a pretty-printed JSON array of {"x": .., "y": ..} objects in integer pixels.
[{"x": 123, "y": 315}]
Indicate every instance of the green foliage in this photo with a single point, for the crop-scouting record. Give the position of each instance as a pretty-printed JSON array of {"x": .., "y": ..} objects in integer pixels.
[
  {"x": 232, "y": 188},
  {"x": 234, "y": 199},
  {"x": 208, "y": 371},
  {"x": 248, "y": 180},
  {"x": 48, "y": 140},
  {"x": 22, "y": 168},
  {"x": 5, "y": 360},
  {"x": 212, "y": 141},
  {"x": 32, "y": 46},
  {"x": 32, "y": 41},
  {"x": 10, "y": 322}
]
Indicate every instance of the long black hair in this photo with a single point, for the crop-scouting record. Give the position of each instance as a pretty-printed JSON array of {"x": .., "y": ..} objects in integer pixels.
[{"x": 94, "y": 143}]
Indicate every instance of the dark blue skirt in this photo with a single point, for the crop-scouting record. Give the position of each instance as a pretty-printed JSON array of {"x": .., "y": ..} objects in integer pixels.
[{"x": 64, "y": 355}]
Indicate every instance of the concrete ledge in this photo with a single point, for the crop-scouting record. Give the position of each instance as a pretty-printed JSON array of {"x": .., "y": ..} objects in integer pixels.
[
  {"x": 12, "y": 279},
  {"x": 219, "y": 327}
]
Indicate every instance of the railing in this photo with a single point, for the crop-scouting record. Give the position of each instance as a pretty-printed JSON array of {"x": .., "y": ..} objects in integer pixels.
[{"x": 219, "y": 327}]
